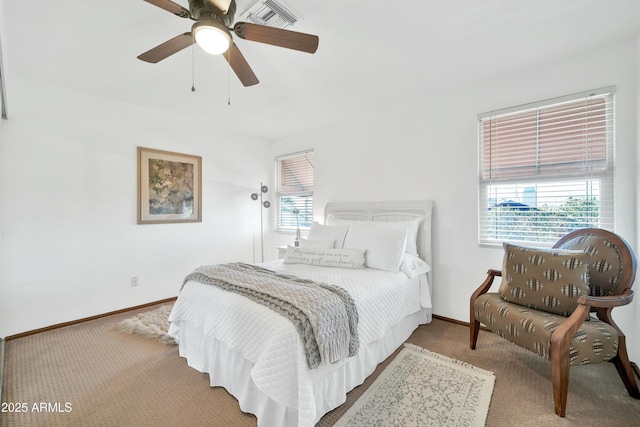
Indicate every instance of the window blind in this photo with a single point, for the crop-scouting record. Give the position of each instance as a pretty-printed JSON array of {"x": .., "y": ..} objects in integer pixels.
[
  {"x": 295, "y": 177},
  {"x": 546, "y": 168}
]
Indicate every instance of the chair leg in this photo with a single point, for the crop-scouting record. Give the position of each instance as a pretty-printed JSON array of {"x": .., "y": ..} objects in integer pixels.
[
  {"x": 622, "y": 364},
  {"x": 474, "y": 329},
  {"x": 474, "y": 324},
  {"x": 560, "y": 380}
]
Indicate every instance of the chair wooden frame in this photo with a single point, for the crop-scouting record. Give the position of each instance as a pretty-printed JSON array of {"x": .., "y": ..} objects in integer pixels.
[{"x": 561, "y": 337}]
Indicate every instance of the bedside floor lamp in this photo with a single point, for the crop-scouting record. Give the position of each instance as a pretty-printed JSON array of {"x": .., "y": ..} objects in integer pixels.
[
  {"x": 296, "y": 212},
  {"x": 265, "y": 204}
]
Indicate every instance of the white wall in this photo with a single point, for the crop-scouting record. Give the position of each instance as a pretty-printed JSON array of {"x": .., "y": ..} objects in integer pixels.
[
  {"x": 69, "y": 242},
  {"x": 427, "y": 149},
  {"x": 635, "y": 344}
]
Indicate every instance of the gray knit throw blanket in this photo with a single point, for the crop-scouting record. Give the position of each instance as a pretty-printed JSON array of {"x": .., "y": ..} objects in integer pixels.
[{"x": 324, "y": 315}]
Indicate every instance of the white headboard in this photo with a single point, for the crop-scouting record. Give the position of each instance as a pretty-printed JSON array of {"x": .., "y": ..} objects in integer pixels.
[{"x": 390, "y": 211}]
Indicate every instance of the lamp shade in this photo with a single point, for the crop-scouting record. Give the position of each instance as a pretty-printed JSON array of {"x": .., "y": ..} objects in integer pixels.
[{"x": 212, "y": 36}]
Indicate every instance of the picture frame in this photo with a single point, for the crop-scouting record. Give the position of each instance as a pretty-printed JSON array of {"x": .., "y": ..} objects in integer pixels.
[{"x": 169, "y": 187}]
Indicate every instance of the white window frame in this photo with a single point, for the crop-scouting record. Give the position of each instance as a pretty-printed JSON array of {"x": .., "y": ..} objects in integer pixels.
[
  {"x": 500, "y": 221},
  {"x": 292, "y": 195}
]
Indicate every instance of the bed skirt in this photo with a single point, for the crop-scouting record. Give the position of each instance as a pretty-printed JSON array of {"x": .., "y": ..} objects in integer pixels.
[{"x": 229, "y": 369}]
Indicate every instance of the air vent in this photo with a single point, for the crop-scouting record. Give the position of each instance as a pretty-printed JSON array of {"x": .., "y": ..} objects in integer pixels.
[{"x": 269, "y": 12}]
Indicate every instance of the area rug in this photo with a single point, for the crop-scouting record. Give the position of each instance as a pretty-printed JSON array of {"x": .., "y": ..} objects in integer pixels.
[
  {"x": 150, "y": 324},
  {"x": 422, "y": 388}
]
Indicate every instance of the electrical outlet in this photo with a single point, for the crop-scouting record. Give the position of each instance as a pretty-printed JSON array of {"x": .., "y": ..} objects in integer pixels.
[{"x": 134, "y": 281}]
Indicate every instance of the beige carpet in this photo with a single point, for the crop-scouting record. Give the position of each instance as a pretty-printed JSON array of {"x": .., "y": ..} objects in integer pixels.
[{"x": 115, "y": 379}]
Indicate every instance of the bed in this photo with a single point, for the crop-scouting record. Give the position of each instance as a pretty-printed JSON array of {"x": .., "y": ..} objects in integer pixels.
[{"x": 258, "y": 355}]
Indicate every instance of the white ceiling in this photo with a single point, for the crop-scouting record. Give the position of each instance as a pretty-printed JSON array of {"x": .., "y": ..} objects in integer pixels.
[{"x": 371, "y": 54}]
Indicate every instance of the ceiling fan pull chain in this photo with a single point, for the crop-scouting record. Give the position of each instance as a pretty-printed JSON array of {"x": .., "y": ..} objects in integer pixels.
[
  {"x": 229, "y": 79},
  {"x": 193, "y": 68}
]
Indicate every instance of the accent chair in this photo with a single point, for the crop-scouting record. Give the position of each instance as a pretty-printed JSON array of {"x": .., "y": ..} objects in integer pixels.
[{"x": 546, "y": 297}]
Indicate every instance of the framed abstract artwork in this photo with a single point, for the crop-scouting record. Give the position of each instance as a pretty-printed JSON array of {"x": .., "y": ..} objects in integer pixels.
[{"x": 169, "y": 187}]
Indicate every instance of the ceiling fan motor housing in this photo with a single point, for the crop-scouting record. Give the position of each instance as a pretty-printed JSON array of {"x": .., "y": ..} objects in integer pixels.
[{"x": 204, "y": 10}]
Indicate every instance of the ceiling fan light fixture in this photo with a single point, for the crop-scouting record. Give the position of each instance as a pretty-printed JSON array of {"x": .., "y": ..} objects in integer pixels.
[{"x": 212, "y": 36}]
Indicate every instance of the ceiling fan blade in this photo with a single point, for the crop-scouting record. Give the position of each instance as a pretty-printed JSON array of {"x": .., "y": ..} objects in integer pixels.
[
  {"x": 240, "y": 66},
  {"x": 221, "y": 5},
  {"x": 172, "y": 7},
  {"x": 277, "y": 37},
  {"x": 167, "y": 48}
]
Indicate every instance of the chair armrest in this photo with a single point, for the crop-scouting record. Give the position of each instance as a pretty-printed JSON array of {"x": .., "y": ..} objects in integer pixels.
[
  {"x": 563, "y": 334},
  {"x": 561, "y": 337},
  {"x": 605, "y": 305},
  {"x": 607, "y": 302},
  {"x": 474, "y": 324},
  {"x": 486, "y": 285}
]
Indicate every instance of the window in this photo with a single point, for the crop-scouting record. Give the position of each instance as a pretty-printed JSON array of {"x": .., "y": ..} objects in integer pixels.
[
  {"x": 295, "y": 190},
  {"x": 546, "y": 169}
]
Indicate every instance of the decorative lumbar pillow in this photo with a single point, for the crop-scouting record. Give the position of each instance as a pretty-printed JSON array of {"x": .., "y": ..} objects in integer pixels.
[
  {"x": 336, "y": 233},
  {"x": 550, "y": 280},
  {"x": 325, "y": 244},
  {"x": 343, "y": 258},
  {"x": 385, "y": 246}
]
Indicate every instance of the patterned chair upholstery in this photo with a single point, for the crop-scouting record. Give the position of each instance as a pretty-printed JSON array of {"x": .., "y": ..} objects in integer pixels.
[{"x": 545, "y": 298}]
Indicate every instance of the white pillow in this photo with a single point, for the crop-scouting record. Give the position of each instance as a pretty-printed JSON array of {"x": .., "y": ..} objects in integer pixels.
[
  {"x": 343, "y": 258},
  {"x": 412, "y": 228},
  {"x": 328, "y": 232},
  {"x": 413, "y": 266},
  {"x": 385, "y": 245},
  {"x": 326, "y": 244}
]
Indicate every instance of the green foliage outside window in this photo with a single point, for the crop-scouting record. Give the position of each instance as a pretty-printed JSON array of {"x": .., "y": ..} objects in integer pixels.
[{"x": 544, "y": 223}]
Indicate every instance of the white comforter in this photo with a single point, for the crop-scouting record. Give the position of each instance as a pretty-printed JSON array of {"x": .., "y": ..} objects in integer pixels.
[{"x": 271, "y": 342}]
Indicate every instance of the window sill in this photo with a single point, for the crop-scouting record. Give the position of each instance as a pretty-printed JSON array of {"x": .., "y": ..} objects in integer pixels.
[{"x": 303, "y": 232}]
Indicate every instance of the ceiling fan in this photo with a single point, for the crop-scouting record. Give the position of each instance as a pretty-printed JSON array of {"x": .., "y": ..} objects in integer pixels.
[{"x": 212, "y": 31}]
